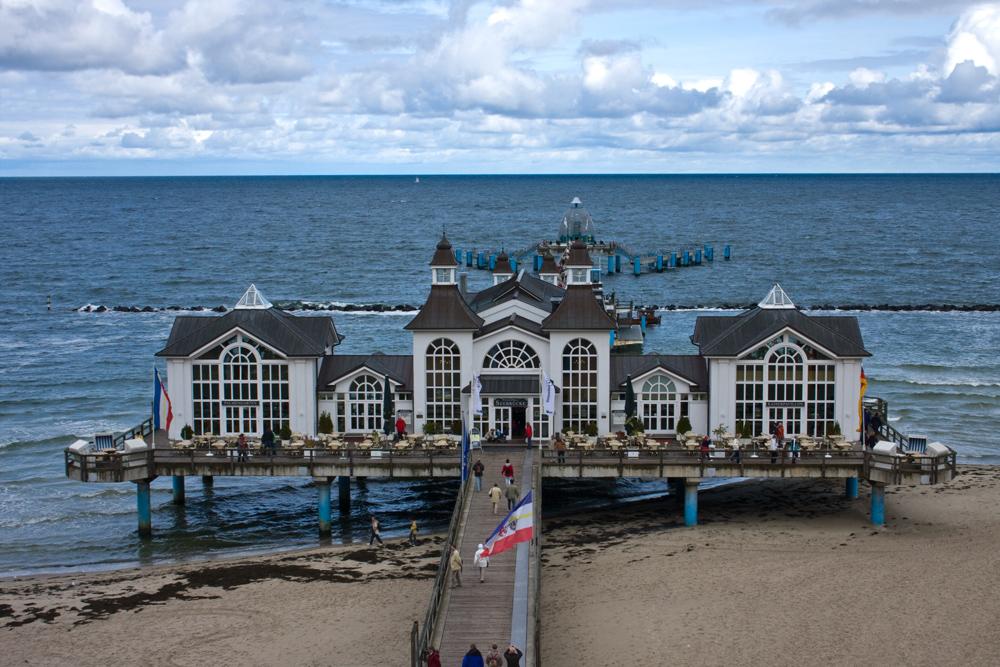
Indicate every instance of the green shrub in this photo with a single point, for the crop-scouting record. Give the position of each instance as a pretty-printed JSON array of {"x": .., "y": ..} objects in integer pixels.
[
  {"x": 590, "y": 429},
  {"x": 325, "y": 422},
  {"x": 634, "y": 425},
  {"x": 833, "y": 429},
  {"x": 187, "y": 432},
  {"x": 456, "y": 427},
  {"x": 683, "y": 425},
  {"x": 285, "y": 432},
  {"x": 431, "y": 428}
]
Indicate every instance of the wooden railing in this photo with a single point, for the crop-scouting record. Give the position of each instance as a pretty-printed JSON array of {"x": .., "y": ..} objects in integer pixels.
[
  {"x": 140, "y": 431},
  {"x": 880, "y": 406},
  {"x": 536, "y": 522},
  {"x": 441, "y": 581}
]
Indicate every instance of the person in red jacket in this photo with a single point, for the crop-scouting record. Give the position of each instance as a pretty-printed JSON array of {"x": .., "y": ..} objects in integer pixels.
[
  {"x": 433, "y": 657},
  {"x": 400, "y": 428},
  {"x": 508, "y": 472},
  {"x": 527, "y": 433}
]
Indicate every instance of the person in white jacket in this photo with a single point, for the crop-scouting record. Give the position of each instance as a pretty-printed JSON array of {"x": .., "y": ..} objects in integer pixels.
[{"x": 482, "y": 562}]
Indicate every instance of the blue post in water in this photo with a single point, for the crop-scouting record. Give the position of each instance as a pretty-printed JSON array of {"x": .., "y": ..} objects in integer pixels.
[
  {"x": 878, "y": 504},
  {"x": 725, "y": 252},
  {"x": 612, "y": 338},
  {"x": 686, "y": 258},
  {"x": 493, "y": 262},
  {"x": 142, "y": 504},
  {"x": 595, "y": 276},
  {"x": 323, "y": 484},
  {"x": 611, "y": 264},
  {"x": 481, "y": 260},
  {"x": 458, "y": 255},
  {"x": 673, "y": 260},
  {"x": 852, "y": 488},
  {"x": 468, "y": 258},
  {"x": 513, "y": 265},
  {"x": 178, "y": 489},
  {"x": 697, "y": 256},
  {"x": 642, "y": 325},
  {"x": 708, "y": 253},
  {"x": 659, "y": 263},
  {"x": 691, "y": 502},
  {"x": 344, "y": 482},
  {"x": 636, "y": 266},
  {"x": 618, "y": 263}
]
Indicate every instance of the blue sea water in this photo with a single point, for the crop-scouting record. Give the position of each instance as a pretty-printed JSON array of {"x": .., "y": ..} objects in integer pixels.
[{"x": 201, "y": 241}]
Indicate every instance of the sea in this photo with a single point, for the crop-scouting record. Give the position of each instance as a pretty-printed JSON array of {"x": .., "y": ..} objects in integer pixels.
[{"x": 924, "y": 248}]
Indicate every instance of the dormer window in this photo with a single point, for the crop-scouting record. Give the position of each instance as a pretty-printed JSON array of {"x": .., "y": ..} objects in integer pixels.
[{"x": 578, "y": 276}]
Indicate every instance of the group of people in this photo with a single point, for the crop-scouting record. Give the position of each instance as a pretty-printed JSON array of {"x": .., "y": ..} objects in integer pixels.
[
  {"x": 511, "y": 657},
  {"x": 376, "y": 534},
  {"x": 511, "y": 491}
]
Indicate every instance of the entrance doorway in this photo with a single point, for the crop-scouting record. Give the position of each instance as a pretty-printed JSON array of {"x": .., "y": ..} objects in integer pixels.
[
  {"x": 517, "y": 422},
  {"x": 241, "y": 419},
  {"x": 501, "y": 420},
  {"x": 790, "y": 417}
]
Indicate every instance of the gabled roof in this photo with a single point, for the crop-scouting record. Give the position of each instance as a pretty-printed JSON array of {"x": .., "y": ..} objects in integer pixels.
[
  {"x": 444, "y": 257},
  {"x": 578, "y": 255},
  {"x": 691, "y": 367},
  {"x": 523, "y": 287},
  {"x": 398, "y": 367},
  {"x": 579, "y": 310},
  {"x": 292, "y": 336},
  {"x": 733, "y": 335},
  {"x": 514, "y": 320},
  {"x": 445, "y": 309},
  {"x": 503, "y": 264},
  {"x": 548, "y": 264}
]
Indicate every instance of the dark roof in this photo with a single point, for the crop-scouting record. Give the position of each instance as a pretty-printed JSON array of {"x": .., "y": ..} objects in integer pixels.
[
  {"x": 507, "y": 384},
  {"x": 503, "y": 263},
  {"x": 445, "y": 309},
  {"x": 578, "y": 255},
  {"x": 398, "y": 367},
  {"x": 691, "y": 367},
  {"x": 548, "y": 264},
  {"x": 513, "y": 321},
  {"x": 523, "y": 287},
  {"x": 732, "y": 335},
  {"x": 579, "y": 309},
  {"x": 444, "y": 257},
  {"x": 292, "y": 336}
]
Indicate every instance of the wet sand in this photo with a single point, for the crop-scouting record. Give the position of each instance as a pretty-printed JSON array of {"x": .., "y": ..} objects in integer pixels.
[{"x": 778, "y": 573}]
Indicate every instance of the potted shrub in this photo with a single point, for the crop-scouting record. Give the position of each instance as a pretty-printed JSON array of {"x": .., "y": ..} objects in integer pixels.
[
  {"x": 285, "y": 433},
  {"x": 683, "y": 425},
  {"x": 590, "y": 429},
  {"x": 456, "y": 427},
  {"x": 187, "y": 432},
  {"x": 431, "y": 428},
  {"x": 325, "y": 422},
  {"x": 634, "y": 425},
  {"x": 718, "y": 432}
]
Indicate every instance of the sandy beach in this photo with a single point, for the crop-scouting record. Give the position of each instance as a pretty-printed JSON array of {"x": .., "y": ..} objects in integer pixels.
[{"x": 778, "y": 573}]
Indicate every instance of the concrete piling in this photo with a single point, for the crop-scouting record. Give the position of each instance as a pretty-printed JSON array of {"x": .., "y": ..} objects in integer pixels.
[
  {"x": 878, "y": 504},
  {"x": 178, "y": 489},
  {"x": 323, "y": 486},
  {"x": 852, "y": 488},
  {"x": 142, "y": 504},
  {"x": 691, "y": 501}
]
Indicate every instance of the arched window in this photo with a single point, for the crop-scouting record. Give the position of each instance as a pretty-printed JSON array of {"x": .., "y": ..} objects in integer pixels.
[
  {"x": 511, "y": 354},
  {"x": 658, "y": 400},
  {"x": 579, "y": 384},
  {"x": 365, "y": 404},
  {"x": 444, "y": 383}
]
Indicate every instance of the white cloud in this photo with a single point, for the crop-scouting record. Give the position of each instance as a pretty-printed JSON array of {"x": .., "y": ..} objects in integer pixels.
[
  {"x": 864, "y": 77},
  {"x": 975, "y": 37}
]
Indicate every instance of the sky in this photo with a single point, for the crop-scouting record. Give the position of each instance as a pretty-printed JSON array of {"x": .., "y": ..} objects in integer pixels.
[{"x": 217, "y": 87}]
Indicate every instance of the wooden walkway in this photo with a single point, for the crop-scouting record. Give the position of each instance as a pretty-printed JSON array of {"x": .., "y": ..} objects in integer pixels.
[{"x": 478, "y": 613}]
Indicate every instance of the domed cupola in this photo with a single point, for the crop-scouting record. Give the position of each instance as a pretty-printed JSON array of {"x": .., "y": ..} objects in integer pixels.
[
  {"x": 578, "y": 264},
  {"x": 502, "y": 272},
  {"x": 443, "y": 264},
  {"x": 577, "y": 224},
  {"x": 549, "y": 272}
]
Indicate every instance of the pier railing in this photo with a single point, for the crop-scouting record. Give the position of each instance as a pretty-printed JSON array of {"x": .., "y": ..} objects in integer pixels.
[
  {"x": 441, "y": 581},
  {"x": 536, "y": 522}
]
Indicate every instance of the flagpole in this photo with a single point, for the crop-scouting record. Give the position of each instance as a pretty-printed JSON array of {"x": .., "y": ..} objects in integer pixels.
[{"x": 152, "y": 425}]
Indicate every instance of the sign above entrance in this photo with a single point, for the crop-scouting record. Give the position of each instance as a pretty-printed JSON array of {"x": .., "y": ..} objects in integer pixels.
[
  {"x": 241, "y": 404},
  {"x": 510, "y": 402},
  {"x": 786, "y": 404}
]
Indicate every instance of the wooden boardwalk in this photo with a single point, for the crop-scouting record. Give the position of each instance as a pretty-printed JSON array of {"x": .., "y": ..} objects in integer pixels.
[{"x": 478, "y": 613}]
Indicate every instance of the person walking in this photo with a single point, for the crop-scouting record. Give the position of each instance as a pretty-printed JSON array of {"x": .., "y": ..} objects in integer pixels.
[
  {"x": 513, "y": 656},
  {"x": 400, "y": 428},
  {"x": 413, "y": 531},
  {"x": 773, "y": 446},
  {"x": 478, "y": 469},
  {"x": 267, "y": 440},
  {"x": 456, "y": 566},
  {"x": 495, "y": 495},
  {"x": 513, "y": 494},
  {"x": 561, "y": 448},
  {"x": 482, "y": 562},
  {"x": 432, "y": 657},
  {"x": 243, "y": 447},
  {"x": 736, "y": 456},
  {"x": 493, "y": 658},
  {"x": 473, "y": 658},
  {"x": 376, "y": 529},
  {"x": 508, "y": 471},
  {"x": 527, "y": 434}
]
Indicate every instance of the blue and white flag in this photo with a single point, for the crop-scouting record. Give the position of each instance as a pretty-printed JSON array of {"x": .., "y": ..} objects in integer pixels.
[
  {"x": 548, "y": 394},
  {"x": 477, "y": 403}
]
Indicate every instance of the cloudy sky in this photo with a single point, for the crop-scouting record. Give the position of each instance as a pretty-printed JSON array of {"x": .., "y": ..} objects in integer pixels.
[{"x": 511, "y": 86}]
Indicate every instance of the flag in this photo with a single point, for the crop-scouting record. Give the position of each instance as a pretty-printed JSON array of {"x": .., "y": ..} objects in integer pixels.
[
  {"x": 477, "y": 403},
  {"x": 465, "y": 451},
  {"x": 861, "y": 402},
  {"x": 548, "y": 394},
  {"x": 516, "y": 528},
  {"x": 162, "y": 412}
]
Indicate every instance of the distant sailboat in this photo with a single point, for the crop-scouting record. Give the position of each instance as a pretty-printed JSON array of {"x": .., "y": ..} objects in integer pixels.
[{"x": 417, "y": 180}]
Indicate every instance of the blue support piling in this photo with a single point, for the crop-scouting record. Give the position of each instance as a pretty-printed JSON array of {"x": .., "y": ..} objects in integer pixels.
[
  {"x": 534, "y": 262},
  {"x": 468, "y": 258},
  {"x": 659, "y": 263},
  {"x": 686, "y": 257},
  {"x": 878, "y": 504},
  {"x": 697, "y": 256},
  {"x": 708, "y": 253},
  {"x": 673, "y": 260},
  {"x": 595, "y": 276},
  {"x": 642, "y": 325},
  {"x": 493, "y": 262},
  {"x": 852, "y": 488},
  {"x": 618, "y": 263},
  {"x": 691, "y": 502},
  {"x": 458, "y": 255},
  {"x": 344, "y": 482},
  {"x": 481, "y": 260},
  {"x": 513, "y": 265},
  {"x": 611, "y": 264},
  {"x": 725, "y": 252},
  {"x": 142, "y": 504},
  {"x": 178, "y": 489},
  {"x": 323, "y": 485},
  {"x": 612, "y": 338},
  {"x": 636, "y": 266}
]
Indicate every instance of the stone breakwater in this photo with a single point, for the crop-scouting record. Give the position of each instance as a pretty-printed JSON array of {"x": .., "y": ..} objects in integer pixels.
[{"x": 406, "y": 308}]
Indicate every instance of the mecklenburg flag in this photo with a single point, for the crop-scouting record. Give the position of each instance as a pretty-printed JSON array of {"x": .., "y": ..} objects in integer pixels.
[
  {"x": 162, "y": 412},
  {"x": 861, "y": 402},
  {"x": 517, "y": 527}
]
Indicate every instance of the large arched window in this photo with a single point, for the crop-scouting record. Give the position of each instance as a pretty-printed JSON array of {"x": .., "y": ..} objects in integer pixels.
[
  {"x": 658, "y": 404},
  {"x": 511, "y": 354},
  {"x": 239, "y": 386},
  {"x": 579, "y": 384},
  {"x": 444, "y": 383},
  {"x": 364, "y": 404}
]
